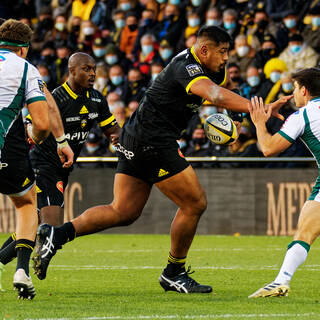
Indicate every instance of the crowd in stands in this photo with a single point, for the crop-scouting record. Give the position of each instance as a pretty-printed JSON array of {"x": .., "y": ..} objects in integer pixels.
[{"x": 133, "y": 40}]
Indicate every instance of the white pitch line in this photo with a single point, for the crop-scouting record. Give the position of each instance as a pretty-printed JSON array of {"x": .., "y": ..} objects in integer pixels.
[
  {"x": 202, "y": 316},
  {"x": 252, "y": 268}
]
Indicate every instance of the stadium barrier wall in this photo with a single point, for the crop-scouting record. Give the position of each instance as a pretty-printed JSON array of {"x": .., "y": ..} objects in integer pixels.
[{"x": 245, "y": 201}]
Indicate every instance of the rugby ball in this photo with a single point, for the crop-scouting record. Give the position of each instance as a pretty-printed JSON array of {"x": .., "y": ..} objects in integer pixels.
[{"x": 220, "y": 129}]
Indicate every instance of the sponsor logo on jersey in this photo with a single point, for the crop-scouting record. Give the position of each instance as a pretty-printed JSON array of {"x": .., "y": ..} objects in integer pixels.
[
  {"x": 96, "y": 99},
  {"x": 83, "y": 110},
  {"x": 162, "y": 173},
  {"x": 26, "y": 182},
  {"x": 83, "y": 123},
  {"x": 38, "y": 189},
  {"x": 59, "y": 186},
  {"x": 77, "y": 136},
  {"x": 72, "y": 119},
  {"x": 93, "y": 115},
  {"x": 2, "y": 58},
  {"x": 194, "y": 69},
  {"x": 128, "y": 154}
]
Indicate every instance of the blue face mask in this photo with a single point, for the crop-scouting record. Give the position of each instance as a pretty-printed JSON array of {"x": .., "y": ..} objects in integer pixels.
[
  {"x": 116, "y": 80},
  {"x": 295, "y": 48},
  {"x": 253, "y": 81},
  {"x": 154, "y": 76},
  {"x": 92, "y": 149},
  {"x": 229, "y": 25},
  {"x": 99, "y": 52},
  {"x": 120, "y": 23},
  {"x": 316, "y": 21},
  {"x": 125, "y": 6},
  {"x": 196, "y": 3},
  {"x": 46, "y": 79},
  {"x": 193, "y": 22},
  {"x": 290, "y": 23},
  {"x": 166, "y": 53},
  {"x": 174, "y": 2},
  {"x": 213, "y": 22},
  {"x": 275, "y": 76},
  {"x": 146, "y": 49},
  {"x": 161, "y": 1},
  {"x": 287, "y": 87},
  {"x": 111, "y": 60}
]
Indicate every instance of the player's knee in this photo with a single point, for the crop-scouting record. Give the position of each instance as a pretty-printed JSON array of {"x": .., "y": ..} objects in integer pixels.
[
  {"x": 127, "y": 216},
  {"x": 200, "y": 203}
]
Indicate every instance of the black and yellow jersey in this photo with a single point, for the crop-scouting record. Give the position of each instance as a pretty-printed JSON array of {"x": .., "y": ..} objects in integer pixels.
[
  {"x": 78, "y": 113},
  {"x": 168, "y": 104}
]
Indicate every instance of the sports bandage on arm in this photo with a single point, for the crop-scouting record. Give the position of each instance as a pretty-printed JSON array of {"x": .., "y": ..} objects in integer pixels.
[{"x": 62, "y": 141}]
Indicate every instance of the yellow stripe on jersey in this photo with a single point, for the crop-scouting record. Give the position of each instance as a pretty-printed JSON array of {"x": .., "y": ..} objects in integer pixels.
[
  {"x": 107, "y": 121},
  {"x": 225, "y": 77},
  {"x": 193, "y": 81},
  {"x": 68, "y": 89},
  {"x": 194, "y": 55}
]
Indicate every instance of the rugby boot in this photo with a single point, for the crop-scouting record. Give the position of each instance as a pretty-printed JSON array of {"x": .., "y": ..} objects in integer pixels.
[{"x": 23, "y": 284}]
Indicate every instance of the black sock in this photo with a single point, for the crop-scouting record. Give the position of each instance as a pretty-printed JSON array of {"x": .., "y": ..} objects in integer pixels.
[
  {"x": 65, "y": 233},
  {"x": 175, "y": 265},
  {"x": 9, "y": 240},
  {"x": 8, "y": 253},
  {"x": 24, "y": 249}
]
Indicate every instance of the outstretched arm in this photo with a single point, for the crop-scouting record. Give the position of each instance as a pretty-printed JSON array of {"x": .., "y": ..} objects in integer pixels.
[{"x": 270, "y": 144}]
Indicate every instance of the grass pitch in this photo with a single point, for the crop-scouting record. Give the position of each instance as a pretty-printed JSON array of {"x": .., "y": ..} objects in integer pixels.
[{"x": 116, "y": 277}]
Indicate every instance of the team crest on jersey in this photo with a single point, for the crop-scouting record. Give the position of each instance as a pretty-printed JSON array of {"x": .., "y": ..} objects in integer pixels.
[
  {"x": 83, "y": 123},
  {"x": 59, "y": 186},
  {"x": 194, "y": 69},
  {"x": 41, "y": 85}
]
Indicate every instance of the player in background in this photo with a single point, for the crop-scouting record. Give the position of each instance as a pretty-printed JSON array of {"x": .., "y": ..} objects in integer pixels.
[
  {"x": 80, "y": 106},
  {"x": 304, "y": 124},
  {"x": 149, "y": 154},
  {"x": 20, "y": 84}
]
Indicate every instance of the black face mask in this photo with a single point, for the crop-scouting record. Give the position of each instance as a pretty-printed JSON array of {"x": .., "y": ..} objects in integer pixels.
[
  {"x": 76, "y": 28},
  {"x": 133, "y": 27},
  {"x": 48, "y": 59},
  {"x": 236, "y": 79},
  {"x": 46, "y": 24},
  {"x": 200, "y": 141},
  {"x": 262, "y": 24},
  {"x": 268, "y": 53}
]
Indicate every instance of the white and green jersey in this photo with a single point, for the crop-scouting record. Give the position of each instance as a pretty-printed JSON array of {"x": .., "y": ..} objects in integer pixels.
[
  {"x": 20, "y": 84},
  {"x": 305, "y": 123}
]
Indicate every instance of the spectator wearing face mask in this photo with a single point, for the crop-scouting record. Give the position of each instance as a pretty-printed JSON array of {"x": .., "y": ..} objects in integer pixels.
[
  {"x": 115, "y": 56},
  {"x": 290, "y": 25},
  {"x": 147, "y": 54},
  {"x": 61, "y": 63},
  {"x": 119, "y": 22},
  {"x": 199, "y": 7},
  {"x": 255, "y": 85},
  {"x": 155, "y": 69},
  {"x": 298, "y": 54},
  {"x": 99, "y": 50},
  {"x": 234, "y": 74},
  {"x": 166, "y": 52},
  {"x": 268, "y": 51},
  {"x": 311, "y": 33},
  {"x": 88, "y": 33},
  {"x": 272, "y": 70},
  {"x": 242, "y": 54},
  {"x": 172, "y": 25},
  {"x": 100, "y": 82},
  {"x": 128, "y": 35},
  {"x": 46, "y": 77},
  {"x": 59, "y": 31},
  {"x": 135, "y": 86},
  {"x": 213, "y": 17},
  {"x": 230, "y": 23},
  {"x": 116, "y": 80},
  {"x": 262, "y": 26}
]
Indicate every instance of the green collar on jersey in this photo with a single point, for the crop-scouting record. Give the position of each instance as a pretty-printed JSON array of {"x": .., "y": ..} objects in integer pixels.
[{"x": 315, "y": 98}]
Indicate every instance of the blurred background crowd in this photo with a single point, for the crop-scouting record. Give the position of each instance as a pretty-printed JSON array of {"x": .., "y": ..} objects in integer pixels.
[{"x": 133, "y": 40}]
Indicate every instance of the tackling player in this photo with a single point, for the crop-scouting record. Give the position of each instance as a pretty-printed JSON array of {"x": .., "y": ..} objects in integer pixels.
[
  {"x": 304, "y": 124},
  {"x": 20, "y": 84},
  {"x": 149, "y": 154}
]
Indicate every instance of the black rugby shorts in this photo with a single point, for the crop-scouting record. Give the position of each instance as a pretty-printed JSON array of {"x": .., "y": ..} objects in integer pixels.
[
  {"x": 50, "y": 187},
  {"x": 151, "y": 164},
  {"x": 17, "y": 177}
]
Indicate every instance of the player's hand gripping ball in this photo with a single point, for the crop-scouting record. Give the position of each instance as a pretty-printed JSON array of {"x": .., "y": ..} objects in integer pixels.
[{"x": 220, "y": 129}]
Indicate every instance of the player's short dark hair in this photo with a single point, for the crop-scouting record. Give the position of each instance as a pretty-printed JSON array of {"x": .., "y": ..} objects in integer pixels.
[
  {"x": 216, "y": 34},
  {"x": 310, "y": 79}
]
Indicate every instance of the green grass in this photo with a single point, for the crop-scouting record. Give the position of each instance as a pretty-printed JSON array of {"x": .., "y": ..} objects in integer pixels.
[{"x": 116, "y": 277}]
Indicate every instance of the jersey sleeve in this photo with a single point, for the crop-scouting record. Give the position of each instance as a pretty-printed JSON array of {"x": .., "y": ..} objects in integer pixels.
[
  {"x": 188, "y": 74},
  {"x": 105, "y": 119},
  {"x": 34, "y": 86},
  {"x": 293, "y": 127}
]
